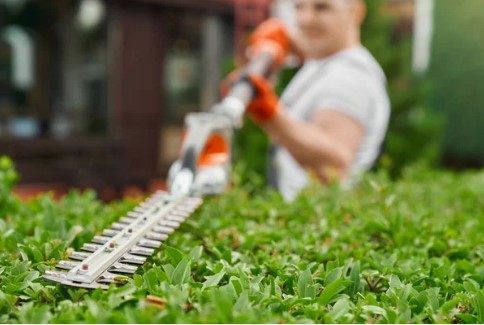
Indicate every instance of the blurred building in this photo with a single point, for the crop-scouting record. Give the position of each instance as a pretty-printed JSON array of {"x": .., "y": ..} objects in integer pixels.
[{"x": 93, "y": 93}]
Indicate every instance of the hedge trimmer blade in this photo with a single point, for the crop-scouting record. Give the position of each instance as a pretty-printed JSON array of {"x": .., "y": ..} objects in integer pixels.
[
  {"x": 126, "y": 245},
  {"x": 203, "y": 169}
]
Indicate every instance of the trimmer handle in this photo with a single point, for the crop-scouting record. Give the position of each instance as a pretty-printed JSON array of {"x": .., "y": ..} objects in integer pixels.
[{"x": 241, "y": 93}]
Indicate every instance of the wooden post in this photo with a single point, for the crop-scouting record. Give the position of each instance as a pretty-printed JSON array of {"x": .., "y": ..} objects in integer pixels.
[{"x": 136, "y": 36}]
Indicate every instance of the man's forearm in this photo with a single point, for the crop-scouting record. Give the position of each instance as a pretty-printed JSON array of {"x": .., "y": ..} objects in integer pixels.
[{"x": 307, "y": 143}]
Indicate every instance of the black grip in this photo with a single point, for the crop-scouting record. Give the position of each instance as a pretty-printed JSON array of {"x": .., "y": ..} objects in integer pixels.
[{"x": 189, "y": 160}]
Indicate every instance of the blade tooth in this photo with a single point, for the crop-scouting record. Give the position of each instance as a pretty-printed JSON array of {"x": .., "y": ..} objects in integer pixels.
[
  {"x": 66, "y": 265},
  {"x": 110, "y": 232},
  {"x": 150, "y": 203},
  {"x": 100, "y": 240},
  {"x": 90, "y": 247},
  {"x": 149, "y": 243},
  {"x": 108, "y": 277},
  {"x": 153, "y": 197},
  {"x": 186, "y": 206},
  {"x": 127, "y": 220},
  {"x": 59, "y": 274},
  {"x": 133, "y": 214},
  {"x": 175, "y": 218},
  {"x": 132, "y": 259},
  {"x": 139, "y": 209},
  {"x": 118, "y": 226},
  {"x": 91, "y": 286},
  {"x": 122, "y": 268},
  {"x": 164, "y": 199},
  {"x": 161, "y": 193},
  {"x": 79, "y": 256},
  {"x": 192, "y": 207},
  {"x": 160, "y": 197},
  {"x": 55, "y": 276},
  {"x": 181, "y": 212},
  {"x": 151, "y": 200},
  {"x": 169, "y": 223},
  {"x": 141, "y": 251},
  {"x": 147, "y": 204},
  {"x": 60, "y": 277},
  {"x": 156, "y": 236},
  {"x": 163, "y": 230},
  {"x": 194, "y": 201}
]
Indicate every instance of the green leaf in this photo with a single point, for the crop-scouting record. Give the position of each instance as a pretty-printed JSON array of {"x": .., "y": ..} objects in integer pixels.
[
  {"x": 333, "y": 275},
  {"x": 331, "y": 290},
  {"x": 224, "y": 305},
  {"x": 196, "y": 253},
  {"x": 20, "y": 267},
  {"x": 355, "y": 278},
  {"x": 449, "y": 305},
  {"x": 151, "y": 281},
  {"x": 35, "y": 314},
  {"x": 124, "y": 290},
  {"x": 478, "y": 302},
  {"x": 375, "y": 310},
  {"x": 213, "y": 280},
  {"x": 467, "y": 318},
  {"x": 93, "y": 308},
  {"x": 138, "y": 280},
  {"x": 237, "y": 283},
  {"x": 181, "y": 273},
  {"x": 471, "y": 286},
  {"x": 169, "y": 269},
  {"x": 242, "y": 302},
  {"x": 430, "y": 297},
  {"x": 174, "y": 254},
  {"x": 305, "y": 285},
  {"x": 340, "y": 308}
]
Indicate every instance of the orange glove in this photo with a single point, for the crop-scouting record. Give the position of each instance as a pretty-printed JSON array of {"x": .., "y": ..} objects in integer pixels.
[
  {"x": 271, "y": 36},
  {"x": 265, "y": 104}
]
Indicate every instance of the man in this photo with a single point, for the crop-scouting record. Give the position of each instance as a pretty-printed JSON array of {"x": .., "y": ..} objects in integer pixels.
[{"x": 332, "y": 118}]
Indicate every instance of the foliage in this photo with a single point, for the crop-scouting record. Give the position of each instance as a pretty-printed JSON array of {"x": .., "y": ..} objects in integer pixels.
[
  {"x": 389, "y": 252},
  {"x": 456, "y": 70},
  {"x": 414, "y": 133}
]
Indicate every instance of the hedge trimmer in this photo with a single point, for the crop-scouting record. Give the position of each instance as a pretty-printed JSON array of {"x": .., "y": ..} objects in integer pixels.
[{"x": 203, "y": 169}]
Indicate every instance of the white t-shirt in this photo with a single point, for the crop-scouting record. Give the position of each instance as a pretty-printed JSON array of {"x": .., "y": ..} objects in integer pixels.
[{"x": 351, "y": 82}]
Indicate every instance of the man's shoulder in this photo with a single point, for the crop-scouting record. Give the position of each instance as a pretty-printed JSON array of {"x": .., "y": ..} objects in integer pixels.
[{"x": 356, "y": 61}]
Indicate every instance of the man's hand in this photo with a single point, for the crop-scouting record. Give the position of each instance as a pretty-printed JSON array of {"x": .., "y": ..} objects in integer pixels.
[
  {"x": 271, "y": 36},
  {"x": 265, "y": 103}
]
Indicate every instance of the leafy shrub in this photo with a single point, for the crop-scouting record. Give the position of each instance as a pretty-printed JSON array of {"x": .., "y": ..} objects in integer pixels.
[
  {"x": 456, "y": 72},
  {"x": 388, "y": 252},
  {"x": 415, "y": 131}
]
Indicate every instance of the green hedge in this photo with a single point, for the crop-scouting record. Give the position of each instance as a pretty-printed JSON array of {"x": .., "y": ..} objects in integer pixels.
[
  {"x": 410, "y": 251},
  {"x": 456, "y": 70}
]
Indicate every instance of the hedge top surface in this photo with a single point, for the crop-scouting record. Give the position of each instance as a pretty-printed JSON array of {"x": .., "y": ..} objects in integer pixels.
[{"x": 409, "y": 251}]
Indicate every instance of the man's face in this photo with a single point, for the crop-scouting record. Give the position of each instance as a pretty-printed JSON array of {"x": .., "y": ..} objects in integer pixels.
[{"x": 324, "y": 26}]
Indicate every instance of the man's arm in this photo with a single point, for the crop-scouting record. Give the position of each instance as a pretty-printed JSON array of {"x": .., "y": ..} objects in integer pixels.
[{"x": 327, "y": 145}]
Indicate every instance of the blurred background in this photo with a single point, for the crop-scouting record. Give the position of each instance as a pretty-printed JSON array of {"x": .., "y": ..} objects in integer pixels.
[{"x": 93, "y": 92}]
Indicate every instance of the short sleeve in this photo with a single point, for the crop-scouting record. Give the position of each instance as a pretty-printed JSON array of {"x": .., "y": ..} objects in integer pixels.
[{"x": 347, "y": 91}]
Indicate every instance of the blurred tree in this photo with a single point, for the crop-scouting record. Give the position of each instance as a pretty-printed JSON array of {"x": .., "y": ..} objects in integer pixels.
[
  {"x": 457, "y": 71},
  {"x": 414, "y": 130}
]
